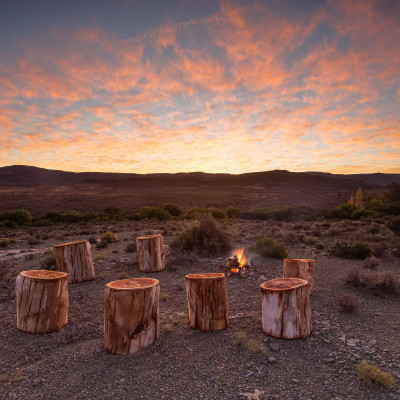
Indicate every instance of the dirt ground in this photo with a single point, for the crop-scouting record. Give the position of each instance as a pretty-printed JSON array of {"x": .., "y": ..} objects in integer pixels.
[{"x": 188, "y": 364}]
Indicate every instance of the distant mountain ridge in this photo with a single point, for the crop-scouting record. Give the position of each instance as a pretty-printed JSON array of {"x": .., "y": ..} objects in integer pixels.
[
  {"x": 377, "y": 178},
  {"x": 24, "y": 175}
]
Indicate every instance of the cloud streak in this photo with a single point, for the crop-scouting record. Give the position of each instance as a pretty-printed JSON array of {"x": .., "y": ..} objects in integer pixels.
[{"x": 248, "y": 88}]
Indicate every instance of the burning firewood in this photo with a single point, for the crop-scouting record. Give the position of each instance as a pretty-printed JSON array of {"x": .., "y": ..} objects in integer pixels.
[{"x": 237, "y": 264}]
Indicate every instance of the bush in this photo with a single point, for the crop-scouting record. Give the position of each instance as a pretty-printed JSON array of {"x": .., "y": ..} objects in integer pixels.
[
  {"x": 371, "y": 374},
  {"x": 205, "y": 238},
  {"x": 156, "y": 213},
  {"x": 344, "y": 211},
  {"x": 232, "y": 212},
  {"x": 350, "y": 250},
  {"x": 92, "y": 240},
  {"x": 6, "y": 242},
  {"x": 384, "y": 281},
  {"x": 267, "y": 247},
  {"x": 48, "y": 260},
  {"x": 394, "y": 225},
  {"x": 108, "y": 237},
  {"x": 362, "y": 213},
  {"x": 393, "y": 192},
  {"x": 18, "y": 217},
  {"x": 173, "y": 209},
  {"x": 218, "y": 214},
  {"x": 349, "y": 302},
  {"x": 374, "y": 229},
  {"x": 371, "y": 262},
  {"x": 286, "y": 213}
]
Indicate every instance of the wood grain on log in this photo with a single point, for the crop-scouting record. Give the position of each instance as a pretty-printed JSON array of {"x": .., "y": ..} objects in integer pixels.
[
  {"x": 286, "y": 310},
  {"x": 75, "y": 258},
  {"x": 131, "y": 314},
  {"x": 207, "y": 301},
  {"x": 42, "y": 300},
  {"x": 300, "y": 268},
  {"x": 151, "y": 253}
]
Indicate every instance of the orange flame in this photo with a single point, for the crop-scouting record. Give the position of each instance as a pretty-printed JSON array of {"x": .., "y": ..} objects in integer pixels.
[{"x": 241, "y": 257}]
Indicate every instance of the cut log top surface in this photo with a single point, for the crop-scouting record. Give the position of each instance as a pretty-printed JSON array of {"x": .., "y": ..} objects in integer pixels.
[
  {"x": 148, "y": 236},
  {"x": 132, "y": 283},
  {"x": 44, "y": 275},
  {"x": 283, "y": 284},
  {"x": 217, "y": 275},
  {"x": 298, "y": 259},
  {"x": 66, "y": 244}
]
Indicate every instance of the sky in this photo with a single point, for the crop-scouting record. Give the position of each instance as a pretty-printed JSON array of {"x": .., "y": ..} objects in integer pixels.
[{"x": 227, "y": 86}]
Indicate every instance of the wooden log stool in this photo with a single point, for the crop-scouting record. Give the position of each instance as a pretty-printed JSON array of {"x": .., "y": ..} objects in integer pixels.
[
  {"x": 75, "y": 258},
  {"x": 207, "y": 301},
  {"x": 286, "y": 310},
  {"x": 131, "y": 314},
  {"x": 42, "y": 301},
  {"x": 300, "y": 268},
  {"x": 151, "y": 253}
]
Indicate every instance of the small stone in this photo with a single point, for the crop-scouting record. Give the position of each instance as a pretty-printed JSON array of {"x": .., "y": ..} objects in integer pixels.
[
  {"x": 295, "y": 380},
  {"x": 271, "y": 359},
  {"x": 37, "y": 382},
  {"x": 274, "y": 346},
  {"x": 330, "y": 360}
]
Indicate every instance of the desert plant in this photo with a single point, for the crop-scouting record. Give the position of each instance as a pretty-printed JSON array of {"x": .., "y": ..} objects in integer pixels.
[
  {"x": 48, "y": 260},
  {"x": 32, "y": 240},
  {"x": 164, "y": 297},
  {"x": 374, "y": 229},
  {"x": 380, "y": 281},
  {"x": 241, "y": 339},
  {"x": 173, "y": 209},
  {"x": 6, "y": 242},
  {"x": 394, "y": 225},
  {"x": 350, "y": 250},
  {"x": 18, "y": 217},
  {"x": 108, "y": 237},
  {"x": 232, "y": 212},
  {"x": 203, "y": 238},
  {"x": 371, "y": 262},
  {"x": 218, "y": 214},
  {"x": 92, "y": 240},
  {"x": 378, "y": 249},
  {"x": 349, "y": 302},
  {"x": 267, "y": 247},
  {"x": 99, "y": 257},
  {"x": 371, "y": 374},
  {"x": 167, "y": 328}
]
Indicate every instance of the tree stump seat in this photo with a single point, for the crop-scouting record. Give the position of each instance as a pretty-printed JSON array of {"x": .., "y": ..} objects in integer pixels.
[
  {"x": 286, "y": 309},
  {"x": 75, "y": 258},
  {"x": 151, "y": 253},
  {"x": 131, "y": 314},
  {"x": 207, "y": 301},
  {"x": 300, "y": 268},
  {"x": 42, "y": 301}
]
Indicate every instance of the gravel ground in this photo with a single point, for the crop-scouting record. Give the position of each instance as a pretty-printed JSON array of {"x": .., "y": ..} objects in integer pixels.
[{"x": 188, "y": 364}]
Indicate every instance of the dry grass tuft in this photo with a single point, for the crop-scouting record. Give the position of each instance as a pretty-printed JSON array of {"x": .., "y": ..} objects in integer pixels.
[{"x": 371, "y": 374}]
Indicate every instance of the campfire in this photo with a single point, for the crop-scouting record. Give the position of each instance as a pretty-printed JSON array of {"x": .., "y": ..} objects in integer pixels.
[{"x": 236, "y": 265}]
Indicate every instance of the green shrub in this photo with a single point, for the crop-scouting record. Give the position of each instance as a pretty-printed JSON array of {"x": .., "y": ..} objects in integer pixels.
[
  {"x": 371, "y": 374},
  {"x": 350, "y": 250},
  {"x": 218, "y": 214},
  {"x": 48, "y": 260},
  {"x": 108, "y": 237},
  {"x": 385, "y": 281},
  {"x": 374, "y": 229},
  {"x": 42, "y": 222},
  {"x": 232, "y": 212},
  {"x": 19, "y": 217},
  {"x": 203, "y": 238},
  {"x": 285, "y": 213},
  {"x": 32, "y": 240},
  {"x": 393, "y": 192},
  {"x": 114, "y": 214},
  {"x": 362, "y": 213},
  {"x": 267, "y": 247},
  {"x": 173, "y": 210}
]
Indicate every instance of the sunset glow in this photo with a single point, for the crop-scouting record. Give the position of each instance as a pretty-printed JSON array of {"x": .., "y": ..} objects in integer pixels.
[{"x": 178, "y": 86}]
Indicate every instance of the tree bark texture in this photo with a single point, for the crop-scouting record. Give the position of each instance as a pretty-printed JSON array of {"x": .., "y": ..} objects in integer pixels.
[
  {"x": 207, "y": 301},
  {"x": 286, "y": 310},
  {"x": 300, "y": 268},
  {"x": 131, "y": 314},
  {"x": 151, "y": 253},
  {"x": 75, "y": 258},
  {"x": 42, "y": 300}
]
